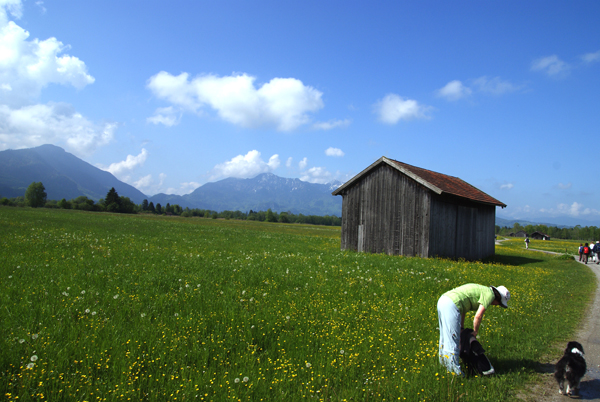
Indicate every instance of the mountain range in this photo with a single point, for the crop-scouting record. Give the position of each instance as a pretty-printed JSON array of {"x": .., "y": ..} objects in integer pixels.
[{"x": 66, "y": 176}]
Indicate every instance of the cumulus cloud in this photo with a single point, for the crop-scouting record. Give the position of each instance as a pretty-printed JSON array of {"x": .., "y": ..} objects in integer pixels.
[
  {"x": 393, "y": 108},
  {"x": 148, "y": 185},
  {"x": 334, "y": 152},
  {"x": 27, "y": 66},
  {"x": 506, "y": 186},
  {"x": 331, "y": 124},
  {"x": 550, "y": 65},
  {"x": 283, "y": 103},
  {"x": 317, "y": 175},
  {"x": 494, "y": 86},
  {"x": 130, "y": 163},
  {"x": 564, "y": 186},
  {"x": 591, "y": 57},
  {"x": 575, "y": 210},
  {"x": 288, "y": 163},
  {"x": 245, "y": 166},
  {"x": 184, "y": 188},
  {"x": 168, "y": 116},
  {"x": 454, "y": 90},
  {"x": 303, "y": 163},
  {"x": 53, "y": 123}
]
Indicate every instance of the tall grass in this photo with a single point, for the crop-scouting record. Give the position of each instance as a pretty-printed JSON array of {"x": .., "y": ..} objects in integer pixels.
[{"x": 111, "y": 307}]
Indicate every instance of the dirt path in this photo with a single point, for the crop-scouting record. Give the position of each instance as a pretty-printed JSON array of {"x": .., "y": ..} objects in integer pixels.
[{"x": 589, "y": 337}]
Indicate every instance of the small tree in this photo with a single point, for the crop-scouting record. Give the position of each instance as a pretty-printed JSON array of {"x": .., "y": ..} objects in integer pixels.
[
  {"x": 64, "y": 204},
  {"x": 158, "y": 208},
  {"x": 145, "y": 205},
  {"x": 112, "y": 201},
  {"x": 36, "y": 195}
]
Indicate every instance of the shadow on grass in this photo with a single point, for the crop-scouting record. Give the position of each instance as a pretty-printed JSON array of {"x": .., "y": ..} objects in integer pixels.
[
  {"x": 504, "y": 366},
  {"x": 513, "y": 260}
]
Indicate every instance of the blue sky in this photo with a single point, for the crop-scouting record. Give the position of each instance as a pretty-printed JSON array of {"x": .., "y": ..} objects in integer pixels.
[{"x": 170, "y": 95}]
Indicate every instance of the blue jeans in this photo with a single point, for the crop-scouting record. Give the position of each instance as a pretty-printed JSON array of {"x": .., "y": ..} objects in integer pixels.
[{"x": 449, "y": 321}]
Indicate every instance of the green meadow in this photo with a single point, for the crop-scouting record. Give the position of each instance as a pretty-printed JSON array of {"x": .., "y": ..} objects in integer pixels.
[{"x": 108, "y": 307}]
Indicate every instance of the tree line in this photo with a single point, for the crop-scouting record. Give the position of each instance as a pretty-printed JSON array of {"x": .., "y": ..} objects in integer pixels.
[
  {"x": 36, "y": 197},
  {"x": 586, "y": 233}
]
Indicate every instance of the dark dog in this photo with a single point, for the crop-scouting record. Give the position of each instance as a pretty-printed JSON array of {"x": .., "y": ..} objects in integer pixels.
[
  {"x": 473, "y": 355},
  {"x": 571, "y": 367}
]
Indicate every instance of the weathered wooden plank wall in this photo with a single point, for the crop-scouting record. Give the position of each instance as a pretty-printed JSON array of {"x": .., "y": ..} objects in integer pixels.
[
  {"x": 462, "y": 229},
  {"x": 386, "y": 212}
]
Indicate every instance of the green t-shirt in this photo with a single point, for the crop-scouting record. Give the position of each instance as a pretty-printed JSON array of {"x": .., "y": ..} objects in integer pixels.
[{"x": 468, "y": 297}]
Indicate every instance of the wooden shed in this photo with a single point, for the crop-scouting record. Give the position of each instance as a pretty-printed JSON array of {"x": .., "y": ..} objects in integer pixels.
[
  {"x": 395, "y": 208},
  {"x": 540, "y": 236}
]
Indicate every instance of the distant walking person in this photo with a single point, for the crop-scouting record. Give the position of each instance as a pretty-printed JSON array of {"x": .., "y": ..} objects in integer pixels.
[
  {"x": 586, "y": 253},
  {"x": 597, "y": 252},
  {"x": 527, "y": 242},
  {"x": 580, "y": 251}
]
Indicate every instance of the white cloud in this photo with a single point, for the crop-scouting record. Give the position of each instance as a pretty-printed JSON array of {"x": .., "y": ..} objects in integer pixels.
[
  {"x": 288, "y": 163},
  {"x": 454, "y": 90},
  {"x": 302, "y": 164},
  {"x": 185, "y": 188},
  {"x": 53, "y": 123},
  {"x": 591, "y": 57},
  {"x": 393, "y": 108},
  {"x": 245, "y": 166},
  {"x": 283, "y": 103},
  {"x": 334, "y": 152},
  {"x": 506, "y": 186},
  {"x": 26, "y": 68},
  {"x": 130, "y": 163},
  {"x": 148, "y": 185},
  {"x": 575, "y": 209},
  {"x": 331, "y": 124},
  {"x": 14, "y": 7},
  {"x": 551, "y": 65},
  {"x": 30, "y": 65},
  {"x": 143, "y": 183},
  {"x": 495, "y": 86},
  {"x": 317, "y": 175},
  {"x": 168, "y": 116},
  {"x": 564, "y": 186}
]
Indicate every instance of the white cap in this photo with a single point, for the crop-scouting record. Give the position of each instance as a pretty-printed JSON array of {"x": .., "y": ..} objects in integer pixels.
[{"x": 504, "y": 295}]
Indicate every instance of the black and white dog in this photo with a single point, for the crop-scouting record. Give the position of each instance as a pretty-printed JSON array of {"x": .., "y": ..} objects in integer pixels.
[
  {"x": 473, "y": 355},
  {"x": 571, "y": 367}
]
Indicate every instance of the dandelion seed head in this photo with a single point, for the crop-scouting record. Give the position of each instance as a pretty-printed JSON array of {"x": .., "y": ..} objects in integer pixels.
[
  {"x": 34, "y": 358},
  {"x": 245, "y": 379},
  {"x": 237, "y": 380}
]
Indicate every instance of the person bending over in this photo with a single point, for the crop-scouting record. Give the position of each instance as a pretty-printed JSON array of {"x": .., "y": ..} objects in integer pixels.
[{"x": 453, "y": 306}]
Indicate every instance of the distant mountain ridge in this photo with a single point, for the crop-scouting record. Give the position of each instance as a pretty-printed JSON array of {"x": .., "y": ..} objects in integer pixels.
[
  {"x": 263, "y": 192},
  {"x": 66, "y": 176},
  {"x": 63, "y": 175}
]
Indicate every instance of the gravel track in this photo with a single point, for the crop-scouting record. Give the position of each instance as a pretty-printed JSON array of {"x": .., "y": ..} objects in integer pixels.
[{"x": 589, "y": 337}]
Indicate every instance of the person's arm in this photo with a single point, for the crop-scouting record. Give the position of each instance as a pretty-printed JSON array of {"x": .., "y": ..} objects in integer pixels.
[{"x": 478, "y": 318}]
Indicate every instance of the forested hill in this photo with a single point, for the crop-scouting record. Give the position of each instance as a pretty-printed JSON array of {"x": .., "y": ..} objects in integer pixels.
[{"x": 62, "y": 174}]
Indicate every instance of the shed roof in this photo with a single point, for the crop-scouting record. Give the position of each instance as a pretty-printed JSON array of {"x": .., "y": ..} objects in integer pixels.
[{"x": 437, "y": 182}]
